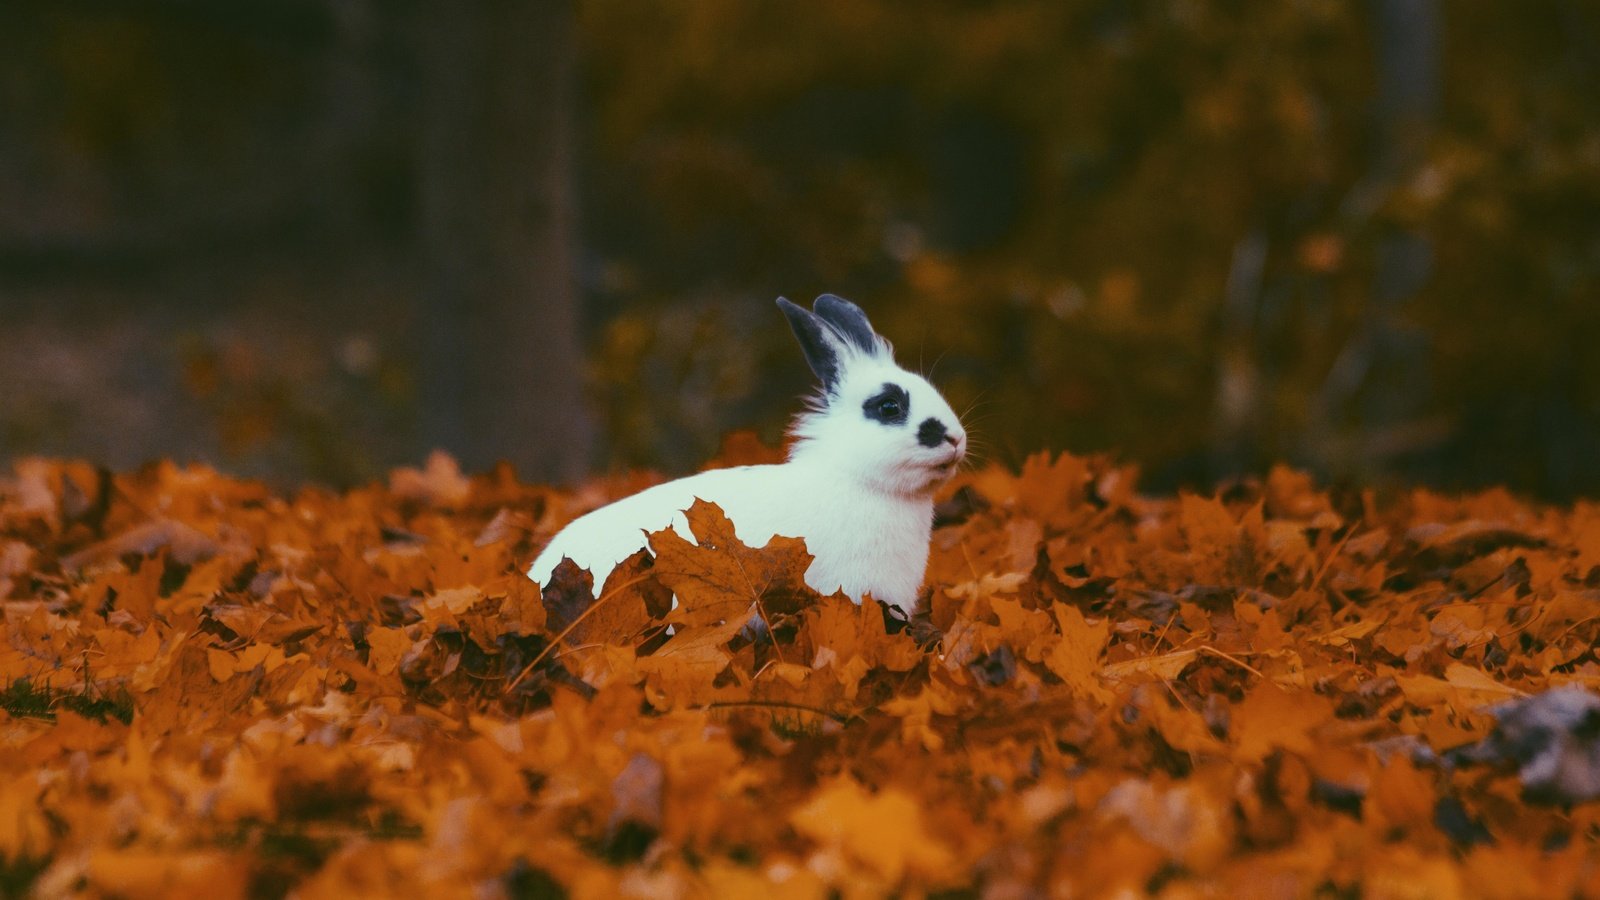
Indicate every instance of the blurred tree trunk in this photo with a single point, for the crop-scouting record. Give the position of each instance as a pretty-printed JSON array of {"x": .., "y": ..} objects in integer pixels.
[
  {"x": 1383, "y": 368},
  {"x": 501, "y": 366},
  {"x": 1379, "y": 379}
]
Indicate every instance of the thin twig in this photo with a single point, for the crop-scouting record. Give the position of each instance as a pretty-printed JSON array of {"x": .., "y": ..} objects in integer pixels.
[
  {"x": 780, "y": 704},
  {"x": 1167, "y": 683},
  {"x": 575, "y": 649},
  {"x": 527, "y": 670},
  {"x": 1233, "y": 659},
  {"x": 968, "y": 557},
  {"x": 1333, "y": 554},
  {"x": 1162, "y": 635},
  {"x": 1568, "y": 630},
  {"x": 761, "y": 611}
]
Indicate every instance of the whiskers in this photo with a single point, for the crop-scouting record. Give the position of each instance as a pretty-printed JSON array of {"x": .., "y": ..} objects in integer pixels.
[
  {"x": 976, "y": 457},
  {"x": 977, "y": 447}
]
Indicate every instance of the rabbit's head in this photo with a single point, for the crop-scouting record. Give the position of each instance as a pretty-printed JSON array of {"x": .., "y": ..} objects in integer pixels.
[{"x": 872, "y": 420}]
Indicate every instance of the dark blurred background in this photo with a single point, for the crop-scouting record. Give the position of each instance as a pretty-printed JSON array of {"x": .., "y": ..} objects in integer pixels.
[{"x": 310, "y": 239}]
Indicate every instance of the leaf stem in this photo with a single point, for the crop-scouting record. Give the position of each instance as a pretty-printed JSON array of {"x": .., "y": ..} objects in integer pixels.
[{"x": 556, "y": 641}]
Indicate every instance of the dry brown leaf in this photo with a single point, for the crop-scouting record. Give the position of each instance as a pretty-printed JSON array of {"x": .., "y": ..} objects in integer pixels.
[{"x": 361, "y": 694}]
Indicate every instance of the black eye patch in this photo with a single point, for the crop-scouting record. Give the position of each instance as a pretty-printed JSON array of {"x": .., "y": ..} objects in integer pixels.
[{"x": 891, "y": 406}]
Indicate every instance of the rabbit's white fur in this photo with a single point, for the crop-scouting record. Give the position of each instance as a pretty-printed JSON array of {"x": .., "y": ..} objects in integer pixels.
[{"x": 857, "y": 489}]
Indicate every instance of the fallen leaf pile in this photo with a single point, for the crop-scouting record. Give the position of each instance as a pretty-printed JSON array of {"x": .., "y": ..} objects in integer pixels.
[{"x": 212, "y": 689}]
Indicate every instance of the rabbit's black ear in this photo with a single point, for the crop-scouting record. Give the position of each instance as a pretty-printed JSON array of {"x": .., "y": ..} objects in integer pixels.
[
  {"x": 848, "y": 319},
  {"x": 818, "y": 342}
]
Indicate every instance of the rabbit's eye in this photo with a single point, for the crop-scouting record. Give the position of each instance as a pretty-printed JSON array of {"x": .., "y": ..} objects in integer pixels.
[{"x": 891, "y": 405}]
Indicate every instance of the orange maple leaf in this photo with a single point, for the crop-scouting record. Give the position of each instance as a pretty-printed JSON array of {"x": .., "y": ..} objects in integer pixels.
[{"x": 717, "y": 579}]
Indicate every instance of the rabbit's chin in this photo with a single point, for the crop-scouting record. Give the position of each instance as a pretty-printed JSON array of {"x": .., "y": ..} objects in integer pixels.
[{"x": 920, "y": 479}]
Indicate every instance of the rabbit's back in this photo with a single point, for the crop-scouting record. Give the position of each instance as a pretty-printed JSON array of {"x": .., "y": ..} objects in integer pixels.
[
  {"x": 604, "y": 537},
  {"x": 878, "y": 548}
]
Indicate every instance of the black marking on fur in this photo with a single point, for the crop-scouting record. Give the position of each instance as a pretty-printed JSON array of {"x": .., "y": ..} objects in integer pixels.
[
  {"x": 817, "y": 341},
  {"x": 931, "y": 432},
  {"x": 891, "y": 406},
  {"x": 849, "y": 321}
]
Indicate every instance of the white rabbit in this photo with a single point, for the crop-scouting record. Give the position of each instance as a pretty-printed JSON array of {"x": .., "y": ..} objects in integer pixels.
[{"x": 866, "y": 458}]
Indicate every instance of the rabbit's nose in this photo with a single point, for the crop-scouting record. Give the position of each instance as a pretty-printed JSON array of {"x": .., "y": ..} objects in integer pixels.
[{"x": 952, "y": 440}]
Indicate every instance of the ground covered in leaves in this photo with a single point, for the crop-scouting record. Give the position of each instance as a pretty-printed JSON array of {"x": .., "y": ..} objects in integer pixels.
[{"x": 210, "y": 688}]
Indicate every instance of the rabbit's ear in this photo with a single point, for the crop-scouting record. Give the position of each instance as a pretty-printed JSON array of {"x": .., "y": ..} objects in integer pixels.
[
  {"x": 851, "y": 323},
  {"x": 818, "y": 341}
]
